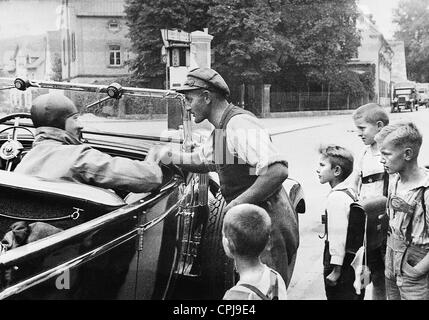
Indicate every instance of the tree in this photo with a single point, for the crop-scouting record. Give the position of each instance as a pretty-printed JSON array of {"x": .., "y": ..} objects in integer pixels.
[
  {"x": 56, "y": 68},
  {"x": 411, "y": 16},
  {"x": 145, "y": 20},
  {"x": 245, "y": 41},
  {"x": 320, "y": 37},
  {"x": 255, "y": 41}
]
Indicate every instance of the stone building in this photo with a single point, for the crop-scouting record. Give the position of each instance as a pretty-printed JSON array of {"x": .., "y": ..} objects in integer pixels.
[
  {"x": 93, "y": 40},
  {"x": 374, "y": 53}
]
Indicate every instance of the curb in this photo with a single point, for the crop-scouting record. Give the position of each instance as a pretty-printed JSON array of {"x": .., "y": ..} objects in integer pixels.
[{"x": 312, "y": 113}]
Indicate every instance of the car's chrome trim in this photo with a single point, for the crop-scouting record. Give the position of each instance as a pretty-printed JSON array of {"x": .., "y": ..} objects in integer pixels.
[
  {"x": 58, "y": 270},
  {"x": 13, "y": 257},
  {"x": 140, "y": 92},
  {"x": 134, "y": 136},
  {"x": 76, "y": 262}
]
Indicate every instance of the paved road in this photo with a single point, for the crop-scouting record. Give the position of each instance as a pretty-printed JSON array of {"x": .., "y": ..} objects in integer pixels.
[
  {"x": 298, "y": 138},
  {"x": 307, "y": 281}
]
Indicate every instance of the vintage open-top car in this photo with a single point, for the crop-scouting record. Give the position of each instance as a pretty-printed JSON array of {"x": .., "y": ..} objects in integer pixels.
[{"x": 165, "y": 244}]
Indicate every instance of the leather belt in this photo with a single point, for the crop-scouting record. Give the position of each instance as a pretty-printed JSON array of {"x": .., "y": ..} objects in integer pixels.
[{"x": 373, "y": 178}]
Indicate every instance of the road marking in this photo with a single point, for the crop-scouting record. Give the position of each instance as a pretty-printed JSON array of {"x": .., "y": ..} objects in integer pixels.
[{"x": 298, "y": 129}]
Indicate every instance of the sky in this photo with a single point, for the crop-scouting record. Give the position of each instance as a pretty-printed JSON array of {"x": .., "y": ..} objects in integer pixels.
[
  {"x": 382, "y": 11},
  {"x": 27, "y": 17}
]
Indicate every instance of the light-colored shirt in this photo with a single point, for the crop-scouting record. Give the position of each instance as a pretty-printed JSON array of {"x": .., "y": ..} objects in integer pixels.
[
  {"x": 246, "y": 138},
  {"x": 242, "y": 293},
  {"x": 368, "y": 164},
  {"x": 412, "y": 196},
  {"x": 337, "y": 208}
]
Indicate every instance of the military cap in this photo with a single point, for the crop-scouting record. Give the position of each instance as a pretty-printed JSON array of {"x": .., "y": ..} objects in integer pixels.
[
  {"x": 204, "y": 78},
  {"x": 52, "y": 110}
]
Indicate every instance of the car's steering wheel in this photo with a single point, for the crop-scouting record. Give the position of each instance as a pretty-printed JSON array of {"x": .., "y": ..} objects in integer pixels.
[{"x": 12, "y": 148}]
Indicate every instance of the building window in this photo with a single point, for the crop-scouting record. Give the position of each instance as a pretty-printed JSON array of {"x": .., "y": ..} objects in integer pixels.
[
  {"x": 115, "y": 55},
  {"x": 178, "y": 57},
  {"x": 113, "y": 25},
  {"x": 73, "y": 39}
]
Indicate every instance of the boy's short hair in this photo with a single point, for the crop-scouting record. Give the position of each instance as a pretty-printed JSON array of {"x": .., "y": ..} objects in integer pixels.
[
  {"x": 338, "y": 156},
  {"x": 371, "y": 113},
  {"x": 402, "y": 134},
  {"x": 248, "y": 227}
]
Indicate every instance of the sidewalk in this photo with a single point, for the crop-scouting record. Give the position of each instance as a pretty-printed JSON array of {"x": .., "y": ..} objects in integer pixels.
[
  {"x": 274, "y": 125},
  {"x": 277, "y": 123}
]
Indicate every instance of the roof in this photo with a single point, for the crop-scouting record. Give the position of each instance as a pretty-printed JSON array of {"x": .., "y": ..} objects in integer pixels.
[
  {"x": 35, "y": 64},
  {"x": 405, "y": 84},
  {"x": 99, "y": 8}
]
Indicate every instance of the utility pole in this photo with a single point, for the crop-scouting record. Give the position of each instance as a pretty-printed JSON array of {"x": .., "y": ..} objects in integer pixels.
[{"x": 68, "y": 39}]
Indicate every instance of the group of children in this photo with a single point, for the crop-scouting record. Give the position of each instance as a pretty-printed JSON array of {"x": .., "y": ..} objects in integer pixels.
[{"x": 388, "y": 167}]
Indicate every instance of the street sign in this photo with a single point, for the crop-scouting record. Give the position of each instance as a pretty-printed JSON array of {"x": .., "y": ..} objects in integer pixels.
[{"x": 175, "y": 36}]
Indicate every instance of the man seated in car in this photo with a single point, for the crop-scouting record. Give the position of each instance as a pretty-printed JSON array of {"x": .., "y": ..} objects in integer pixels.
[{"x": 58, "y": 153}]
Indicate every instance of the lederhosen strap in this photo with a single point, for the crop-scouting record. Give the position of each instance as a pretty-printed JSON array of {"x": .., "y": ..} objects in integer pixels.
[
  {"x": 408, "y": 235},
  {"x": 274, "y": 288}
]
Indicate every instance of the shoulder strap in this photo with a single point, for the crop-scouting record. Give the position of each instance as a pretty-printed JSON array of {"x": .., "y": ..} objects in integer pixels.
[
  {"x": 255, "y": 290},
  {"x": 274, "y": 286},
  {"x": 385, "y": 183},
  {"x": 272, "y": 291},
  {"x": 351, "y": 195},
  {"x": 236, "y": 294},
  {"x": 423, "y": 201},
  {"x": 408, "y": 236},
  {"x": 424, "y": 209},
  {"x": 325, "y": 216}
]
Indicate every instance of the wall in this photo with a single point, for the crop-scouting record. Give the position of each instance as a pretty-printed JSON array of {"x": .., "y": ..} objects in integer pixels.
[{"x": 89, "y": 22}]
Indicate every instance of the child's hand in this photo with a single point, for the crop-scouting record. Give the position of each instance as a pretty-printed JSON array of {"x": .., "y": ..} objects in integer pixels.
[{"x": 333, "y": 277}]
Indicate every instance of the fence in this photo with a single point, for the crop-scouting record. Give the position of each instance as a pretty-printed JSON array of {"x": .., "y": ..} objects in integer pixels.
[{"x": 311, "y": 101}]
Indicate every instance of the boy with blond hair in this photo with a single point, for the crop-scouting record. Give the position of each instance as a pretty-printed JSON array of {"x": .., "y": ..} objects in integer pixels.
[
  {"x": 371, "y": 181},
  {"x": 407, "y": 253},
  {"x": 335, "y": 166},
  {"x": 245, "y": 234}
]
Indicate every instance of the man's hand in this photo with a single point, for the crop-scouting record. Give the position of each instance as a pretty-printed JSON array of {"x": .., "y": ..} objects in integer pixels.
[
  {"x": 159, "y": 154},
  {"x": 333, "y": 277}
]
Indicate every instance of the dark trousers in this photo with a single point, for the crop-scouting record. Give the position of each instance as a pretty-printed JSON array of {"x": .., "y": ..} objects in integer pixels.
[
  {"x": 344, "y": 289},
  {"x": 376, "y": 258}
]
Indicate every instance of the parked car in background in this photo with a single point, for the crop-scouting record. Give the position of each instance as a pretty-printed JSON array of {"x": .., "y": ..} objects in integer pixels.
[
  {"x": 404, "y": 97},
  {"x": 165, "y": 244},
  {"x": 423, "y": 94}
]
